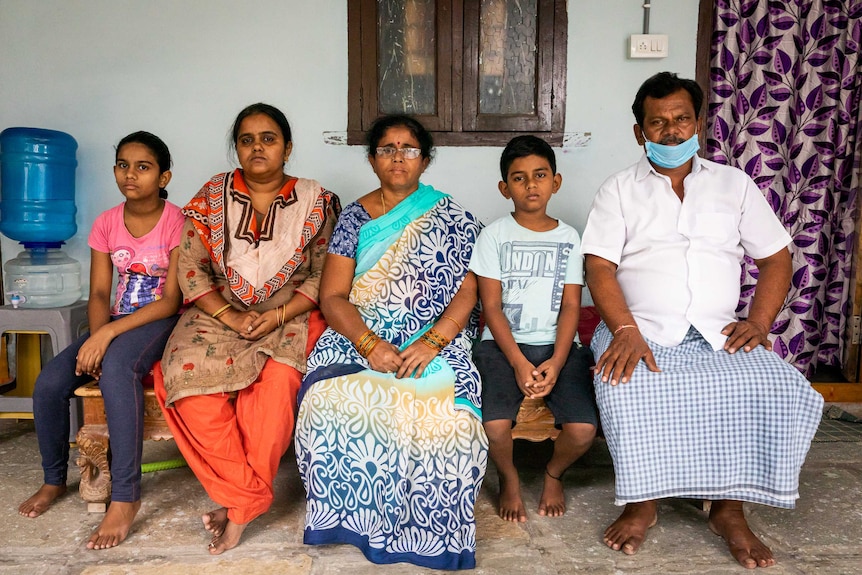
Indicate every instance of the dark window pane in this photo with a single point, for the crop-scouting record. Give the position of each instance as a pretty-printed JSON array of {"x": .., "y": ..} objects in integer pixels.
[
  {"x": 406, "y": 63},
  {"x": 474, "y": 72},
  {"x": 507, "y": 58}
]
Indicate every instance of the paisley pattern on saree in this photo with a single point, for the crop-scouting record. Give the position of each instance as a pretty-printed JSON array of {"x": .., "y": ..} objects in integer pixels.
[{"x": 393, "y": 466}]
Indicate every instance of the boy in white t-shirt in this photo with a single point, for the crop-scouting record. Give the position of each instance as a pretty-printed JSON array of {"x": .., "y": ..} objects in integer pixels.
[{"x": 530, "y": 275}]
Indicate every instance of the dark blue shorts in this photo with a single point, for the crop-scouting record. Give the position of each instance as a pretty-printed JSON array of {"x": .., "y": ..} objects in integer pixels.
[{"x": 572, "y": 400}]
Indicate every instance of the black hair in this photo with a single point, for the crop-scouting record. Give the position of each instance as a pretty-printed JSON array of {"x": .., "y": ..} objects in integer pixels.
[
  {"x": 272, "y": 112},
  {"x": 664, "y": 84},
  {"x": 378, "y": 129},
  {"x": 523, "y": 146},
  {"x": 155, "y": 145}
]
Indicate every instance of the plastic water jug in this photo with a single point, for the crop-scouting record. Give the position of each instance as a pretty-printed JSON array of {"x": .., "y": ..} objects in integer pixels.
[
  {"x": 43, "y": 277},
  {"x": 37, "y": 185}
]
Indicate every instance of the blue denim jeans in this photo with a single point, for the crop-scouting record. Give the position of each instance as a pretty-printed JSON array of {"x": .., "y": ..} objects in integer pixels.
[{"x": 127, "y": 360}]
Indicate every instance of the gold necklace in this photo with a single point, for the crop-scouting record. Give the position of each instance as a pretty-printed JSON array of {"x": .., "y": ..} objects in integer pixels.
[{"x": 383, "y": 202}]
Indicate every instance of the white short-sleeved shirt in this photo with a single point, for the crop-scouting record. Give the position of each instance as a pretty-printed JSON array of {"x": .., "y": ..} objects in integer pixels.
[
  {"x": 532, "y": 267},
  {"x": 679, "y": 262}
]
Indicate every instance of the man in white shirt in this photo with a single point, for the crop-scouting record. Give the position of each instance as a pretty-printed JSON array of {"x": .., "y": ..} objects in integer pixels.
[{"x": 693, "y": 418}]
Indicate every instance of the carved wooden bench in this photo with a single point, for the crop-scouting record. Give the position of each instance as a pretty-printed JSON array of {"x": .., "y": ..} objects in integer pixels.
[
  {"x": 95, "y": 487},
  {"x": 535, "y": 422}
]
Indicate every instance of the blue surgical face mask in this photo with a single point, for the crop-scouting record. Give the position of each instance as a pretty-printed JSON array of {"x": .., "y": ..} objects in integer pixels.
[{"x": 670, "y": 157}]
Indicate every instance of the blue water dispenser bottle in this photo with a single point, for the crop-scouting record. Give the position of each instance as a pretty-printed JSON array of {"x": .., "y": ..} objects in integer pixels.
[{"x": 37, "y": 209}]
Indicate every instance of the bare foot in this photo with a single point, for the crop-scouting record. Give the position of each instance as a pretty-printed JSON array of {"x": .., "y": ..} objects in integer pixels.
[
  {"x": 629, "y": 530},
  {"x": 227, "y": 540},
  {"x": 41, "y": 500},
  {"x": 215, "y": 520},
  {"x": 511, "y": 505},
  {"x": 115, "y": 526},
  {"x": 727, "y": 519},
  {"x": 553, "y": 501}
]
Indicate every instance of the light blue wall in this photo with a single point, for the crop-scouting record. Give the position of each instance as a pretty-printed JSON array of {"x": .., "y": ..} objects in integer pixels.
[{"x": 99, "y": 69}]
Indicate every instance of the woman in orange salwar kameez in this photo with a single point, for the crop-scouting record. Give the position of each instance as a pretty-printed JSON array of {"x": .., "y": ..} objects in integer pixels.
[{"x": 250, "y": 262}]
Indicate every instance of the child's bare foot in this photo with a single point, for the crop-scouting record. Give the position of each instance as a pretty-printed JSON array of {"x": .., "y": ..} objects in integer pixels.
[
  {"x": 215, "y": 520},
  {"x": 553, "y": 500},
  {"x": 727, "y": 519},
  {"x": 629, "y": 530},
  {"x": 115, "y": 526},
  {"x": 511, "y": 505},
  {"x": 227, "y": 540},
  {"x": 41, "y": 500}
]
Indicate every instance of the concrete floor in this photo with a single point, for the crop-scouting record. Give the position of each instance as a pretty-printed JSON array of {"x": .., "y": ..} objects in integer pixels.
[{"x": 822, "y": 536}]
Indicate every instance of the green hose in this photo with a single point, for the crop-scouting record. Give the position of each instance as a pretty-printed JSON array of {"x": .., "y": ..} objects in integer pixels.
[{"x": 163, "y": 465}]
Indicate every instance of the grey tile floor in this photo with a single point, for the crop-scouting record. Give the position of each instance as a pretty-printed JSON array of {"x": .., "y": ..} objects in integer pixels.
[{"x": 822, "y": 536}]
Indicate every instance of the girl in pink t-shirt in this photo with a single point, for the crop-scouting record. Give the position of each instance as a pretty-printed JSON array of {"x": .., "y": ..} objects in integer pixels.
[{"x": 127, "y": 335}]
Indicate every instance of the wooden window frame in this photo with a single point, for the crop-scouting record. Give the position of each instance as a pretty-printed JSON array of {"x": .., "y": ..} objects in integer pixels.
[{"x": 457, "y": 122}]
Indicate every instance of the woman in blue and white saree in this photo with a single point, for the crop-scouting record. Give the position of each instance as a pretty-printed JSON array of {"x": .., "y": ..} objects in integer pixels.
[{"x": 389, "y": 437}]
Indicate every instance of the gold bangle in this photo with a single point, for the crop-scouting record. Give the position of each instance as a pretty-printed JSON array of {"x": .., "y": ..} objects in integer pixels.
[
  {"x": 453, "y": 320},
  {"x": 434, "y": 339},
  {"x": 364, "y": 337},
  {"x": 370, "y": 347},
  {"x": 366, "y": 349},
  {"x": 439, "y": 337},
  {"x": 430, "y": 344},
  {"x": 367, "y": 340},
  {"x": 366, "y": 343},
  {"x": 221, "y": 310}
]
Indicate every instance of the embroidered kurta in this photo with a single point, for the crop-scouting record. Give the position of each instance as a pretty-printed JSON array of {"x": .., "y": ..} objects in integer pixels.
[{"x": 255, "y": 269}]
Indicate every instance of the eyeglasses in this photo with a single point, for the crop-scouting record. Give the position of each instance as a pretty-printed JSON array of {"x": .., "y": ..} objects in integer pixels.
[{"x": 406, "y": 153}]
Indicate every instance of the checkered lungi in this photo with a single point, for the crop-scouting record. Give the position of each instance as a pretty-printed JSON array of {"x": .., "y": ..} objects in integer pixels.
[{"x": 711, "y": 425}]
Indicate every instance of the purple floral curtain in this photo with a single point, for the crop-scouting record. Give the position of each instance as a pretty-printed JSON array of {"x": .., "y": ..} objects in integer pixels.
[{"x": 784, "y": 105}]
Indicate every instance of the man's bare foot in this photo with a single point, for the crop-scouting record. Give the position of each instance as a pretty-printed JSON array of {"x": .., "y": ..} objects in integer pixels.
[
  {"x": 215, "y": 520},
  {"x": 726, "y": 518},
  {"x": 553, "y": 501},
  {"x": 511, "y": 505},
  {"x": 115, "y": 526},
  {"x": 41, "y": 500},
  {"x": 629, "y": 530},
  {"x": 227, "y": 540}
]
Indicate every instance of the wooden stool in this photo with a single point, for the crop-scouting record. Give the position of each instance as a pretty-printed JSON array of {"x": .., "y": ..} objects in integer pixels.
[
  {"x": 95, "y": 487},
  {"x": 63, "y": 325},
  {"x": 535, "y": 422}
]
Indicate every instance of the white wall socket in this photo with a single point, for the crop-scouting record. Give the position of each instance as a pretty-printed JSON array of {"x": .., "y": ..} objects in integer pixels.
[{"x": 648, "y": 46}]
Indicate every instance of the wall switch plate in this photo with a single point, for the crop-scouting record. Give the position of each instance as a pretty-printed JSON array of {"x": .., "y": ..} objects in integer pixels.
[{"x": 648, "y": 46}]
